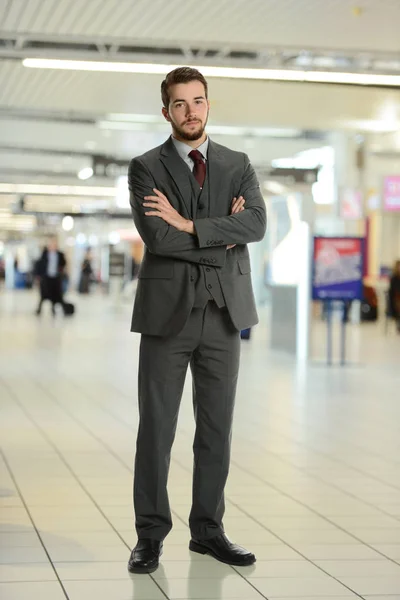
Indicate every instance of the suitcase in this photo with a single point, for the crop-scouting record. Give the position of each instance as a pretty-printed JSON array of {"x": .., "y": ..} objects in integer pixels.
[
  {"x": 69, "y": 309},
  {"x": 245, "y": 334}
]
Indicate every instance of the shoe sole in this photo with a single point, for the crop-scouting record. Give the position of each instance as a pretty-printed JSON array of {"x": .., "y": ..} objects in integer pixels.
[
  {"x": 194, "y": 547},
  {"x": 143, "y": 571}
]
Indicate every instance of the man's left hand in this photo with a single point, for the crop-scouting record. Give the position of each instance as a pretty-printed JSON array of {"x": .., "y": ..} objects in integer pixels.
[{"x": 162, "y": 208}]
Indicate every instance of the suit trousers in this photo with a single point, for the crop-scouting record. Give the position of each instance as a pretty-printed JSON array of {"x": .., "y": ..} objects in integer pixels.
[{"x": 210, "y": 344}]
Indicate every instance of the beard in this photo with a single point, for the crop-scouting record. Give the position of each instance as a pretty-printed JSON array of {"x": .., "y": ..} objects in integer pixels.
[{"x": 189, "y": 136}]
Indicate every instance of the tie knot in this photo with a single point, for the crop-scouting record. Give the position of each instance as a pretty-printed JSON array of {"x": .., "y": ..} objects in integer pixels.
[{"x": 196, "y": 156}]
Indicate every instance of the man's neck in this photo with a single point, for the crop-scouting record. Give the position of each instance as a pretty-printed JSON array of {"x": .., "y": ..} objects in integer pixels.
[{"x": 192, "y": 143}]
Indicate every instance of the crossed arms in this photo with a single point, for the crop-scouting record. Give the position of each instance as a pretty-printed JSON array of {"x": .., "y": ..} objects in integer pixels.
[{"x": 167, "y": 233}]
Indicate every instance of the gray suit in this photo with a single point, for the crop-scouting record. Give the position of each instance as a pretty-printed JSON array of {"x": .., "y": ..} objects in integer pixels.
[{"x": 193, "y": 298}]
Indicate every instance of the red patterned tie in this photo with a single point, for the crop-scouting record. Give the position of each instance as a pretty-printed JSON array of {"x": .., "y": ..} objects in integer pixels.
[{"x": 199, "y": 169}]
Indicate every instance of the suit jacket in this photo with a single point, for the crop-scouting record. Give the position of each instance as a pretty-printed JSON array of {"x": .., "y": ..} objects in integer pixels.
[
  {"x": 42, "y": 263},
  {"x": 165, "y": 292}
]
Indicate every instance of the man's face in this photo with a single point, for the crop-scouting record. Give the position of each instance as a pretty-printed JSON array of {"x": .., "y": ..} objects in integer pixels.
[
  {"x": 52, "y": 245},
  {"x": 188, "y": 110}
]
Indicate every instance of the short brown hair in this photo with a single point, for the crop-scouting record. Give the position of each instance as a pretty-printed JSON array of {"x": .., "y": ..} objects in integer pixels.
[{"x": 180, "y": 75}]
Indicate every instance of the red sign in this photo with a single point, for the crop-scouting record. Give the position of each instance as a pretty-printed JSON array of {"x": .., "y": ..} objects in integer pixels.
[{"x": 391, "y": 193}]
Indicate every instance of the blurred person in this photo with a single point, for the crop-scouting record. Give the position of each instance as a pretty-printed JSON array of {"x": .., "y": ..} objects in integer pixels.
[
  {"x": 86, "y": 275},
  {"x": 50, "y": 269},
  {"x": 196, "y": 204},
  {"x": 394, "y": 294}
]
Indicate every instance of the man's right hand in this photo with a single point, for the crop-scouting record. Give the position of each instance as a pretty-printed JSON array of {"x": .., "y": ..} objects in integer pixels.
[{"x": 236, "y": 207}]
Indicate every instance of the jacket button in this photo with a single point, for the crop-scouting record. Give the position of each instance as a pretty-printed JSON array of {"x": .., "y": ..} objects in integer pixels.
[
  {"x": 208, "y": 269},
  {"x": 209, "y": 286}
]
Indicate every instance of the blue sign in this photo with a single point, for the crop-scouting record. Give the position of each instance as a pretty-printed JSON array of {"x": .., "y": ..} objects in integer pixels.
[{"x": 338, "y": 265}]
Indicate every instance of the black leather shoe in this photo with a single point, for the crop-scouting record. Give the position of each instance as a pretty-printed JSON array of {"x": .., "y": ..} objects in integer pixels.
[
  {"x": 145, "y": 556},
  {"x": 224, "y": 550}
]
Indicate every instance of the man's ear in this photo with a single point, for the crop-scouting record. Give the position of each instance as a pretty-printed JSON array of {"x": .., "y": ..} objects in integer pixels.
[{"x": 166, "y": 115}]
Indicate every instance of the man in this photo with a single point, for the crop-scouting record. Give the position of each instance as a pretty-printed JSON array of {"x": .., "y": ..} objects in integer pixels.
[
  {"x": 50, "y": 270},
  {"x": 196, "y": 205}
]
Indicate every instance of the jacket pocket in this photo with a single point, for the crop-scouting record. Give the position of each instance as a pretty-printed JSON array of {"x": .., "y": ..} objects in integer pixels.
[
  {"x": 244, "y": 265},
  {"x": 156, "y": 272}
]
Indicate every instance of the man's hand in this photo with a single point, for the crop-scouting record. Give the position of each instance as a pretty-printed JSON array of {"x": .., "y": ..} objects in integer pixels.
[
  {"x": 237, "y": 207},
  {"x": 163, "y": 209}
]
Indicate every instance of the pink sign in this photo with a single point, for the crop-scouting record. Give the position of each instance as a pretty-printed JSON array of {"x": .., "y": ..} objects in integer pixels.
[{"x": 391, "y": 193}]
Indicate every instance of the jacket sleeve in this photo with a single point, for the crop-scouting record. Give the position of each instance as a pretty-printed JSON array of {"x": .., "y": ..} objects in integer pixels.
[
  {"x": 160, "y": 238},
  {"x": 242, "y": 228}
]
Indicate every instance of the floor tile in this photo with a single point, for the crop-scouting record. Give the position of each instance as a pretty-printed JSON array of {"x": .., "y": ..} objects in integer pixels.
[
  {"x": 32, "y": 591},
  {"x": 27, "y": 572},
  {"x": 193, "y": 569},
  {"x": 13, "y": 539},
  {"x": 280, "y": 568},
  {"x": 373, "y": 585},
  {"x": 359, "y": 568},
  {"x": 337, "y": 551},
  {"x": 317, "y": 586},
  {"x": 22, "y": 555},
  {"x": 88, "y": 553},
  {"x": 347, "y": 597},
  {"x": 390, "y": 550},
  {"x": 129, "y": 589},
  {"x": 385, "y": 597},
  {"x": 76, "y": 571},
  {"x": 275, "y": 552},
  {"x": 224, "y": 588}
]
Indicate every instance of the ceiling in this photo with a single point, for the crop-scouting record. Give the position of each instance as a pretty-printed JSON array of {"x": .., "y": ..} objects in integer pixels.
[
  {"x": 334, "y": 24},
  {"x": 51, "y": 122}
]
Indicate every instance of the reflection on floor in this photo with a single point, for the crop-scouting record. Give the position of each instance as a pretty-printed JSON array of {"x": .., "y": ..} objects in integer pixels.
[{"x": 314, "y": 488}]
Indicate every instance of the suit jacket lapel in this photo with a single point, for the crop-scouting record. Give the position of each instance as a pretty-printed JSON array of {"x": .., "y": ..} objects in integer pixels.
[{"x": 177, "y": 169}]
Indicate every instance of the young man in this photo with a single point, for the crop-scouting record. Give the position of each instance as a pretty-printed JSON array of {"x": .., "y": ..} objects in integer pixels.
[{"x": 196, "y": 205}]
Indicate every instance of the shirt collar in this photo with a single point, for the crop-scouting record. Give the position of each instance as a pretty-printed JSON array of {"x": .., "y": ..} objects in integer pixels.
[{"x": 184, "y": 149}]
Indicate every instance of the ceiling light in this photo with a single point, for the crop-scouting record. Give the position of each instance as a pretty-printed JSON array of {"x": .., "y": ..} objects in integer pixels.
[
  {"x": 85, "y": 173},
  {"x": 127, "y": 125},
  {"x": 68, "y": 223},
  {"x": 134, "y": 118},
  {"x": 80, "y": 239},
  {"x": 224, "y": 72},
  {"x": 114, "y": 238}
]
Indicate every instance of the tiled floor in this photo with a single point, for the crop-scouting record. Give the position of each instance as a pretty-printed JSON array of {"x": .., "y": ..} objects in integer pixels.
[{"x": 314, "y": 488}]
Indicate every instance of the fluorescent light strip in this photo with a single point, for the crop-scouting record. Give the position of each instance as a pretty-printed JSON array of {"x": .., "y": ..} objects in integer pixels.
[
  {"x": 132, "y": 118},
  {"x": 211, "y": 129},
  {"x": 224, "y": 72},
  {"x": 56, "y": 190}
]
